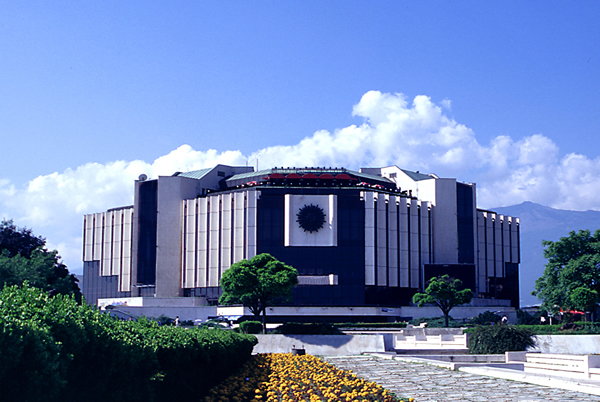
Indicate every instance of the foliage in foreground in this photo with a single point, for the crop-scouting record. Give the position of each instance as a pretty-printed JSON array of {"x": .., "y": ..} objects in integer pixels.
[
  {"x": 24, "y": 258},
  {"x": 55, "y": 350},
  {"x": 284, "y": 377},
  {"x": 571, "y": 279},
  {"x": 495, "y": 339}
]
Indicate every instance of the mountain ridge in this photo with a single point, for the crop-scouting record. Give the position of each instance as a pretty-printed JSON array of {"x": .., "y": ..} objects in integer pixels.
[{"x": 539, "y": 222}]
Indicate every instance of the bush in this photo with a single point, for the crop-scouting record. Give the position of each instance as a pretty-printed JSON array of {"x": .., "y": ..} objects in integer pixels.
[
  {"x": 192, "y": 361},
  {"x": 29, "y": 362},
  {"x": 486, "y": 318},
  {"x": 495, "y": 339},
  {"x": 251, "y": 327},
  {"x": 294, "y": 328},
  {"x": 55, "y": 350}
]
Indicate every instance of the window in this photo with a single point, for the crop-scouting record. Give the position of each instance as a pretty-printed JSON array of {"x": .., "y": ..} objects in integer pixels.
[
  {"x": 221, "y": 174},
  {"x": 392, "y": 175}
]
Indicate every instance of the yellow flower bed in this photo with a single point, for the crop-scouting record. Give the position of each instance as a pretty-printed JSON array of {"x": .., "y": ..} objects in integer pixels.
[{"x": 283, "y": 377}]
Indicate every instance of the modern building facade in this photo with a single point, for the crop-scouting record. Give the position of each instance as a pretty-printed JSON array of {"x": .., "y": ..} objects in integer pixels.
[{"x": 367, "y": 238}]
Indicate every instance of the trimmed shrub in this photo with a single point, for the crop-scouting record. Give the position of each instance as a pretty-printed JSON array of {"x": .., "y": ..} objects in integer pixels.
[
  {"x": 29, "y": 362},
  {"x": 55, "y": 350},
  {"x": 294, "y": 328},
  {"x": 251, "y": 327},
  {"x": 496, "y": 339},
  {"x": 192, "y": 361}
]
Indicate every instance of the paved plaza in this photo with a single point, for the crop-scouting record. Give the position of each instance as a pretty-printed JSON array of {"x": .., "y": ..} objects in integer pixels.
[{"x": 429, "y": 383}]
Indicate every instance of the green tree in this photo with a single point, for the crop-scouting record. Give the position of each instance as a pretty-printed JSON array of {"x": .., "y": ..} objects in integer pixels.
[
  {"x": 258, "y": 283},
  {"x": 443, "y": 291},
  {"x": 584, "y": 299},
  {"x": 23, "y": 257},
  {"x": 573, "y": 263},
  {"x": 17, "y": 241}
]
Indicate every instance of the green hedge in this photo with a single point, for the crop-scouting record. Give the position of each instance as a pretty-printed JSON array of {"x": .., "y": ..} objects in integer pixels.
[
  {"x": 293, "y": 328},
  {"x": 55, "y": 350},
  {"x": 582, "y": 328},
  {"x": 371, "y": 325},
  {"x": 437, "y": 322},
  {"x": 496, "y": 339}
]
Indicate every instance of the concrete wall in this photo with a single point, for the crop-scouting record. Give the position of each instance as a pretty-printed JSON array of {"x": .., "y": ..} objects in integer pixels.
[
  {"x": 567, "y": 344},
  {"x": 324, "y": 345},
  {"x": 171, "y": 192},
  {"x": 445, "y": 224}
]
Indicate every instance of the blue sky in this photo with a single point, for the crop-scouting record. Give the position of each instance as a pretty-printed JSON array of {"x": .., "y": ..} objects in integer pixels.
[{"x": 92, "y": 94}]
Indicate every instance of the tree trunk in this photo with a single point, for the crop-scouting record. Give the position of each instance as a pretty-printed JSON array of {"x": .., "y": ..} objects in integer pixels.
[{"x": 264, "y": 320}]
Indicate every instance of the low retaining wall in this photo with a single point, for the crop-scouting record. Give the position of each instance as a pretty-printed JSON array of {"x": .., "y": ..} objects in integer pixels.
[
  {"x": 567, "y": 344},
  {"x": 324, "y": 345}
]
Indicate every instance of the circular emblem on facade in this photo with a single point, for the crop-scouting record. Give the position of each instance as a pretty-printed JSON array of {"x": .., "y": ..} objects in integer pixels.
[{"x": 311, "y": 218}]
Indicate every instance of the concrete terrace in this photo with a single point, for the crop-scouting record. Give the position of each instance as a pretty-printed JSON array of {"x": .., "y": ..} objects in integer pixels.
[{"x": 429, "y": 380}]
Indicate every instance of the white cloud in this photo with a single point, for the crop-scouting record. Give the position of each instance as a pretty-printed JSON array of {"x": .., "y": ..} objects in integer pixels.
[{"x": 415, "y": 135}]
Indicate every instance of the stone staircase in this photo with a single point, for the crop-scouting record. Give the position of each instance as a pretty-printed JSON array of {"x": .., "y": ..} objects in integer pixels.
[{"x": 430, "y": 341}]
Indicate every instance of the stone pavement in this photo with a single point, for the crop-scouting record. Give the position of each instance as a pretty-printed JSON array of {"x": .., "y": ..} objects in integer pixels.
[{"x": 429, "y": 383}]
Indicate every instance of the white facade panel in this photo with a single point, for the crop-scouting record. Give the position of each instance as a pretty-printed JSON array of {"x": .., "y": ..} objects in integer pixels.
[
  {"x": 105, "y": 266},
  {"x": 214, "y": 238},
  {"x": 393, "y": 249},
  {"x": 415, "y": 268},
  {"x": 369, "y": 201},
  {"x": 108, "y": 239},
  {"x": 251, "y": 219},
  {"x": 238, "y": 225},
  {"x": 424, "y": 233},
  {"x": 116, "y": 246},
  {"x": 202, "y": 245},
  {"x": 88, "y": 237},
  {"x": 126, "y": 250},
  {"x": 226, "y": 232},
  {"x": 404, "y": 241},
  {"x": 381, "y": 219},
  {"x": 189, "y": 241},
  {"x": 98, "y": 239}
]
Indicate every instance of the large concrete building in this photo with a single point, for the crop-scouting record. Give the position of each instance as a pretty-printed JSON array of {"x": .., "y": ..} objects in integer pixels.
[{"x": 358, "y": 239}]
